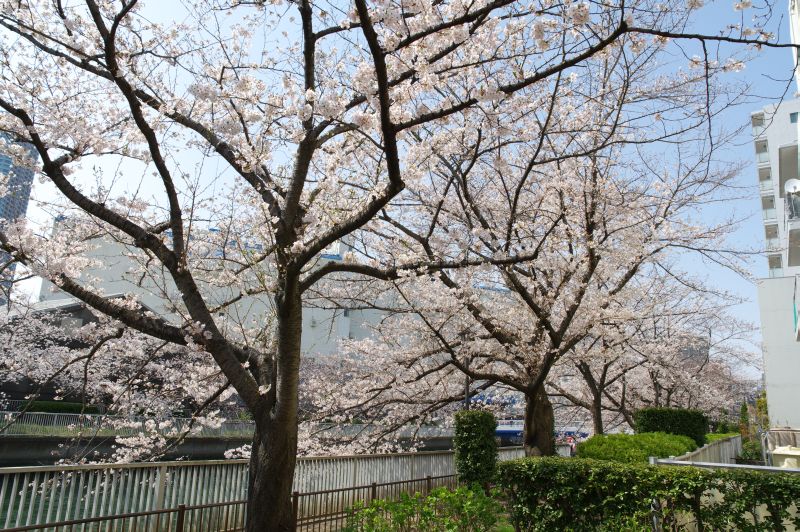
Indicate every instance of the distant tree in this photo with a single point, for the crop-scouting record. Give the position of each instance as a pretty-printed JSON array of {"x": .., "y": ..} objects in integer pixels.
[{"x": 744, "y": 421}]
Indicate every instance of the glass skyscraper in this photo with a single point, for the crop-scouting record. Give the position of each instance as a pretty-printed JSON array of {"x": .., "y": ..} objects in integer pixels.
[{"x": 13, "y": 205}]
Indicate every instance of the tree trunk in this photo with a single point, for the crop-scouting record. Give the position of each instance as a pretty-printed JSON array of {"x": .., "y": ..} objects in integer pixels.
[
  {"x": 539, "y": 424},
  {"x": 597, "y": 414},
  {"x": 269, "y": 502},
  {"x": 274, "y": 454}
]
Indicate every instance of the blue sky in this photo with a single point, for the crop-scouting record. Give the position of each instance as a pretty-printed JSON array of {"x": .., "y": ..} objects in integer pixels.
[{"x": 768, "y": 75}]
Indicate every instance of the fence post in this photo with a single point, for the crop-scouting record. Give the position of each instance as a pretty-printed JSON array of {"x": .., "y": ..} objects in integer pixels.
[
  {"x": 373, "y": 491},
  {"x": 428, "y": 485},
  {"x": 655, "y": 506},
  {"x": 181, "y": 516},
  {"x": 162, "y": 488},
  {"x": 295, "y": 508}
]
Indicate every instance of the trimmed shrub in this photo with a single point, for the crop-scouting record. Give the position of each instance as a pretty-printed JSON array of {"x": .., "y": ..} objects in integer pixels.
[
  {"x": 462, "y": 510},
  {"x": 475, "y": 446},
  {"x": 711, "y": 438},
  {"x": 692, "y": 423},
  {"x": 635, "y": 448},
  {"x": 567, "y": 494}
]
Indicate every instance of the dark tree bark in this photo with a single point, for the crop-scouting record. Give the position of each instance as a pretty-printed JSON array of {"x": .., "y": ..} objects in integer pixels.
[
  {"x": 269, "y": 504},
  {"x": 539, "y": 424},
  {"x": 597, "y": 414},
  {"x": 274, "y": 452}
]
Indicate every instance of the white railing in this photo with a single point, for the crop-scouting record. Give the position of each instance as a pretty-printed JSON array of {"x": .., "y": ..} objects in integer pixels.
[
  {"x": 765, "y": 185},
  {"x": 769, "y": 213},
  {"x": 71, "y": 425},
  {"x": 762, "y": 157},
  {"x": 46, "y": 494}
]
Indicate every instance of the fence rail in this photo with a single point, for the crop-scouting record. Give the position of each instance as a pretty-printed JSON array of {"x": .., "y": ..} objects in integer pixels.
[
  {"x": 72, "y": 425},
  {"x": 46, "y": 494}
]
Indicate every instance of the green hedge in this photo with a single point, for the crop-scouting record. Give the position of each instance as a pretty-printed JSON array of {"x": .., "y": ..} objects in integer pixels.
[
  {"x": 444, "y": 510},
  {"x": 632, "y": 448},
  {"x": 60, "y": 407},
  {"x": 692, "y": 423},
  {"x": 475, "y": 446},
  {"x": 567, "y": 494}
]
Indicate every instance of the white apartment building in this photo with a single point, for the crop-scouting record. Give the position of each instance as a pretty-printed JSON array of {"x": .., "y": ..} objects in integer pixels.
[{"x": 775, "y": 136}]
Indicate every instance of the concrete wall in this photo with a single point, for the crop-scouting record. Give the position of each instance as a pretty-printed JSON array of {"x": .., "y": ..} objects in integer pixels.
[
  {"x": 719, "y": 452},
  {"x": 781, "y": 350}
]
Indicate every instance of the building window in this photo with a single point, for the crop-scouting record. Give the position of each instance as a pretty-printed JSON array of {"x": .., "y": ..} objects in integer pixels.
[
  {"x": 793, "y": 118},
  {"x": 775, "y": 265},
  {"x": 346, "y": 313}
]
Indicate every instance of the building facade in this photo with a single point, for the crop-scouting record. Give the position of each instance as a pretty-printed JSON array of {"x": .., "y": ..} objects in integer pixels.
[
  {"x": 775, "y": 137},
  {"x": 118, "y": 274},
  {"x": 17, "y": 183}
]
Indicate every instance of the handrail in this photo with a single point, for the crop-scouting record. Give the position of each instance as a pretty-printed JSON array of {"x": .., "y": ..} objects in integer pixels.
[{"x": 740, "y": 467}]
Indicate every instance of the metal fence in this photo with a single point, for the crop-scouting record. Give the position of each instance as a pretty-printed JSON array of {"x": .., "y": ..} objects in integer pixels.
[
  {"x": 46, "y": 494},
  {"x": 20, "y": 405},
  {"x": 314, "y": 511},
  {"x": 69, "y": 425}
]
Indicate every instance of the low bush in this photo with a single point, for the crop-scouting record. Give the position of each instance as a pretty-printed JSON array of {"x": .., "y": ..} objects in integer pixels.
[
  {"x": 724, "y": 427},
  {"x": 751, "y": 451},
  {"x": 633, "y": 448},
  {"x": 712, "y": 437},
  {"x": 692, "y": 423},
  {"x": 475, "y": 446},
  {"x": 459, "y": 510},
  {"x": 567, "y": 494}
]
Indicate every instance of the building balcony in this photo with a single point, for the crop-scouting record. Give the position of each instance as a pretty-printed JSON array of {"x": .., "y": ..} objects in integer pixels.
[
  {"x": 775, "y": 272},
  {"x": 773, "y": 244},
  {"x": 765, "y": 186},
  {"x": 762, "y": 158},
  {"x": 758, "y": 131},
  {"x": 770, "y": 214}
]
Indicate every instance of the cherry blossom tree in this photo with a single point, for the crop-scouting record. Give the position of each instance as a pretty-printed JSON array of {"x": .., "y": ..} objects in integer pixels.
[
  {"x": 87, "y": 357},
  {"x": 684, "y": 350},
  {"x": 225, "y": 146},
  {"x": 557, "y": 232}
]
